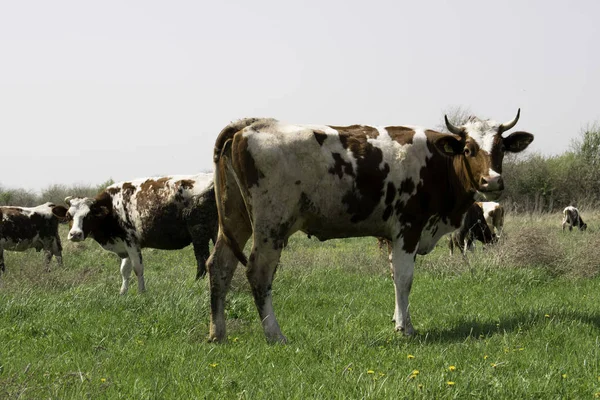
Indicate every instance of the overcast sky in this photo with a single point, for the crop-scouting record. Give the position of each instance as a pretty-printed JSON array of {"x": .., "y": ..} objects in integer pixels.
[{"x": 123, "y": 89}]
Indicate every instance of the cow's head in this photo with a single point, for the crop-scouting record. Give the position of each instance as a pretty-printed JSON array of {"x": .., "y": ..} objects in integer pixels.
[
  {"x": 84, "y": 215},
  {"x": 478, "y": 149}
]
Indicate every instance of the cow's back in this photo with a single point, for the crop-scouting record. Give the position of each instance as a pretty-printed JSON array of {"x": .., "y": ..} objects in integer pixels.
[
  {"x": 25, "y": 227},
  {"x": 154, "y": 210}
]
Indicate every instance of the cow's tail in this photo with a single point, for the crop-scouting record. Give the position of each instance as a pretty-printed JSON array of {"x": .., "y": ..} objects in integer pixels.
[{"x": 222, "y": 160}]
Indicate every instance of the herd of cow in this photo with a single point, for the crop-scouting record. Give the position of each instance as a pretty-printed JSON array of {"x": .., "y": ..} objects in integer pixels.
[{"x": 406, "y": 185}]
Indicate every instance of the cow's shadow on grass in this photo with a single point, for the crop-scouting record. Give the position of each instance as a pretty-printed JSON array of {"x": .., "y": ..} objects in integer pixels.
[{"x": 464, "y": 329}]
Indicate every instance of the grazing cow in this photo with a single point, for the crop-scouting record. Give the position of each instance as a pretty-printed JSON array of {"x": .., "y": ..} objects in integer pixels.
[
  {"x": 494, "y": 216},
  {"x": 165, "y": 213},
  {"x": 22, "y": 228},
  {"x": 474, "y": 227},
  {"x": 571, "y": 218},
  {"x": 405, "y": 184}
]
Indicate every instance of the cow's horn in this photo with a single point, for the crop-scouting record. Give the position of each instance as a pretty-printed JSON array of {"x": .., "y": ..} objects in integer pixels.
[
  {"x": 454, "y": 129},
  {"x": 68, "y": 200},
  {"x": 508, "y": 125}
]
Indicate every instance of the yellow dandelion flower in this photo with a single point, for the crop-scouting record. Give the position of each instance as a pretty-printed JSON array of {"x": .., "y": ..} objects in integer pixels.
[
  {"x": 235, "y": 339},
  {"x": 213, "y": 365},
  {"x": 547, "y": 315},
  {"x": 420, "y": 386},
  {"x": 451, "y": 368},
  {"x": 381, "y": 374},
  {"x": 564, "y": 376},
  {"x": 450, "y": 383},
  {"x": 521, "y": 348},
  {"x": 370, "y": 371},
  {"x": 102, "y": 380},
  {"x": 597, "y": 395},
  {"x": 494, "y": 365},
  {"x": 410, "y": 356},
  {"x": 411, "y": 376},
  {"x": 415, "y": 372},
  {"x": 485, "y": 357}
]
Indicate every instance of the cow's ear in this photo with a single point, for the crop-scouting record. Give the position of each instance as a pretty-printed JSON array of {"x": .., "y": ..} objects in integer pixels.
[
  {"x": 517, "y": 141},
  {"x": 449, "y": 145},
  {"x": 60, "y": 212}
]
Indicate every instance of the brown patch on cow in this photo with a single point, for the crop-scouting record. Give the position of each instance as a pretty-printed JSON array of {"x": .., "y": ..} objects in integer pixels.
[
  {"x": 357, "y": 130},
  {"x": 401, "y": 134},
  {"x": 113, "y": 190},
  {"x": 426, "y": 202},
  {"x": 153, "y": 185},
  {"x": 340, "y": 166},
  {"x": 186, "y": 184},
  {"x": 390, "y": 193},
  {"x": 320, "y": 136},
  {"x": 250, "y": 174},
  {"x": 406, "y": 186},
  {"x": 369, "y": 176}
]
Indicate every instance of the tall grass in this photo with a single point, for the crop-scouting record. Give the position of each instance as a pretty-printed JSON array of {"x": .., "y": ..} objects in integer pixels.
[{"x": 517, "y": 320}]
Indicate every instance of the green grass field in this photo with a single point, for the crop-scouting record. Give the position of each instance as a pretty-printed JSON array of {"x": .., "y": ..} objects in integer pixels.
[{"x": 520, "y": 320}]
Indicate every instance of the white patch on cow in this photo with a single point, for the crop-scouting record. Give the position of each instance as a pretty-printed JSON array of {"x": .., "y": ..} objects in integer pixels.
[{"x": 483, "y": 132}]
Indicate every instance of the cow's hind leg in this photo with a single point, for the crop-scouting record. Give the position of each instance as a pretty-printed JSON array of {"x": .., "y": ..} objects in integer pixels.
[
  {"x": 403, "y": 276},
  {"x": 260, "y": 271},
  {"x": 221, "y": 265},
  {"x": 125, "y": 274}
]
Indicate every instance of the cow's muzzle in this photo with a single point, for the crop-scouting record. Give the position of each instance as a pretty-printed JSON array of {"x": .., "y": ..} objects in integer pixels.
[
  {"x": 491, "y": 184},
  {"x": 76, "y": 236}
]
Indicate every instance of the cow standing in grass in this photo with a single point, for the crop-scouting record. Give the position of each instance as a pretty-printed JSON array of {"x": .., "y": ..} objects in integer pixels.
[
  {"x": 571, "y": 218},
  {"x": 405, "y": 184},
  {"x": 23, "y": 228},
  {"x": 494, "y": 216},
  {"x": 474, "y": 227},
  {"x": 165, "y": 213}
]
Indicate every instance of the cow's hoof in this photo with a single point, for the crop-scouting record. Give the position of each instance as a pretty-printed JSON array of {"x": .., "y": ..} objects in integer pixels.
[
  {"x": 276, "y": 339},
  {"x": 410, "y": 331},
  {"x": 216, "y": 339}
]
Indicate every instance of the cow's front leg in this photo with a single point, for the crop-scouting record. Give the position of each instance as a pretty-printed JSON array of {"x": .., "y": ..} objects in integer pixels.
[
  {"x": 403, "y": 263},
  {"x": 57, "y": 250},
  {"x": 2, "y": 267},
  {"x": 125, "y": 274},
  {"x": 135, "y": 254},
  {"x": 47, "y": 258}
]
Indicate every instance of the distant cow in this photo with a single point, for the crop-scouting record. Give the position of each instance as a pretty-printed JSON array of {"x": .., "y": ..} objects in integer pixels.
[
  {"x": 474, "y": 227},
  {"x": 494, "y": 216},
  {"x": 571, "y": 218},
  {"x": 23, "y": 228},
  {"x": 405, "y": 184},
  {"x": 165, "y": 213}
]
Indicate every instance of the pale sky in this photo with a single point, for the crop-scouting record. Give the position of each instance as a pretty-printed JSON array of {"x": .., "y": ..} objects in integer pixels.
[{"x": 125, "y": 89}]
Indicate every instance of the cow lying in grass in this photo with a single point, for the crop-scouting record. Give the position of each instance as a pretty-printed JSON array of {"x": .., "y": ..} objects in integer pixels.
[
  {"x": 165, "y": 213},
  {"x": 23, "y": 228}
]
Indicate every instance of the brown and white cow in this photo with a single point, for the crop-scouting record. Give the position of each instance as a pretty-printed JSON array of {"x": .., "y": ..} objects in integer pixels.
[
  {"x": 165, "y": 213},
  {"x": 571, "y": 218},
  {"x": 494, "y": 216},
  {"x": 474, "y": 227},
  {"x": 23, "y": 228},
  {"x": 405, "y": 184}
]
